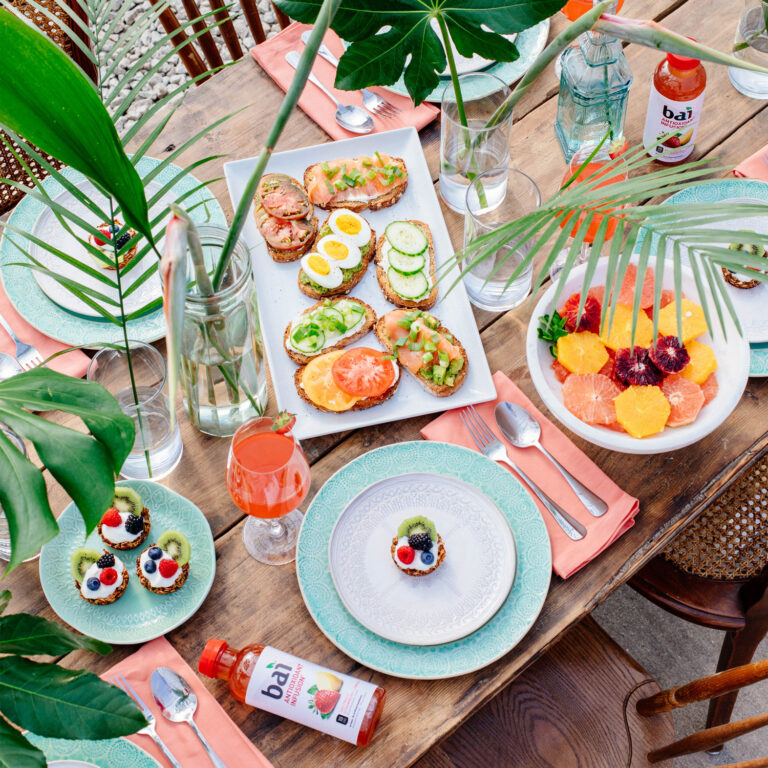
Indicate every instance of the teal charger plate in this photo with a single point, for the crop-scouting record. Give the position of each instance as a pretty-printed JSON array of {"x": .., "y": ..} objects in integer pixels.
[
  {"x": 758, "y": 359},
  {"x": 425, "y": 662},
  {"x": 108, "y": 753},
  {"x": 139, "y": 615},
  {"x": 51, "y": 319}
]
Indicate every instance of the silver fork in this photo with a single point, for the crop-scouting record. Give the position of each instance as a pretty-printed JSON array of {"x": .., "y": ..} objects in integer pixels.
[
  {"x": 492, "y": 447},
  {"x": 147, "y": 730},
  {"x": 26, "y": 354},
  {"x": 374, "y": 103}
]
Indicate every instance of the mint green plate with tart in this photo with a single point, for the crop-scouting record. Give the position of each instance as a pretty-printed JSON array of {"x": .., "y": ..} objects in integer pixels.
[
  {"x": 138, "y": 615},
  {"x": 107, "y": 753},
  {"x": 500, "y": 634}
]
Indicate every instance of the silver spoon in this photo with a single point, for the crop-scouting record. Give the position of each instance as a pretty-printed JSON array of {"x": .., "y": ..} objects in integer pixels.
[
  {"x": 523, "y": 431},
  {"x": 9, "y": 366},
  {"x": 353, "y": 118},
  {"x": 178, "y": 702}
]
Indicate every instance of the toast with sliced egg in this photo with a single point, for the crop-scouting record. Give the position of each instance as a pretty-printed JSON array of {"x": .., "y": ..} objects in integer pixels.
[
  {"x": 405, "y": 264},
  {"x": 425, "y": 348},
  {"x": 330, "y": 324},
  {"x": 342, "y": 252},
  {"x": 363, "y": 182},
  {"x": 344, "y": 380}
]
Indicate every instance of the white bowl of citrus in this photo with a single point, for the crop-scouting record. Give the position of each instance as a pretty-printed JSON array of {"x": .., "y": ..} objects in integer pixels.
[{"x": 664, "y": 394}]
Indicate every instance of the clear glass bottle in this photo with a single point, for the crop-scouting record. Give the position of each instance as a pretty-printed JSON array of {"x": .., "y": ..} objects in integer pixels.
[{"x": 594, "y": 85}]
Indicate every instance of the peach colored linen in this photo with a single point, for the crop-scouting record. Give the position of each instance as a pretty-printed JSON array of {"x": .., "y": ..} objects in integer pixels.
[{"x": 754, "y": 167}]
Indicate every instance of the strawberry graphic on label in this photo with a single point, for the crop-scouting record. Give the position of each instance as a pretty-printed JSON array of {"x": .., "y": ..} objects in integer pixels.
[{"x": 324, "y": 701}]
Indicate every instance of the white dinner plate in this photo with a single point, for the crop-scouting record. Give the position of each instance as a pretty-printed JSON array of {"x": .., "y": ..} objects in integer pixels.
[
  {"x": 457, "y": 598},
  {"x": 280, "y": 299}
]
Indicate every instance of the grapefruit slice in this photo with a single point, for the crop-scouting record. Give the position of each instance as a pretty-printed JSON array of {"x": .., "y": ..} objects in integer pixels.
[
  {"x": 560, "y": 371},
  {"x": 709, "y": 388},
  {"x": 685, "y": 398},
  {"x": 627, "y": 292},
  {"x": 590, "y": 398}
]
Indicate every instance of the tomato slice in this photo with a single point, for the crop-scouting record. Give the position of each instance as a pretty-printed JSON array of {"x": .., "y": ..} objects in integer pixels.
[{"x": 363, "y": 372}]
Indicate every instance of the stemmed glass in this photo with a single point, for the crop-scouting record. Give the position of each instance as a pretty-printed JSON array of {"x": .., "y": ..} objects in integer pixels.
[{"x": 268, "y": 477}]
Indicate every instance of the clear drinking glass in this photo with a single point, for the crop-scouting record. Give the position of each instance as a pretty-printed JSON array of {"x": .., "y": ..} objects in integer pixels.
[
  {"x": 222, "y": 365},
  {"x": 157, "y": 449},
  {"x": 468, "y": 152},
  {"x": 751, "y": 44},
  {"x": 5, "y": 534},
  {"x": 494, "y": 198}
]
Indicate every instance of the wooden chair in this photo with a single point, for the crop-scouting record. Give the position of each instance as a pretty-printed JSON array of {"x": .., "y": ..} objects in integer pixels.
[
  {"x": 197, "y": 64},
  {"x": 588, "y": 704},
  {"x": 715, "y": 574}
]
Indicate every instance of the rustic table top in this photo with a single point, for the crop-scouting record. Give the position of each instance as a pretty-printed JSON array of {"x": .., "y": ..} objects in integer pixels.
[{"x": 251, "y": 602}]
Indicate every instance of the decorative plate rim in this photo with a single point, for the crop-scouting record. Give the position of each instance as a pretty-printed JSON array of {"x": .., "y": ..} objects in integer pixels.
[{"x": 104, "y": 744}]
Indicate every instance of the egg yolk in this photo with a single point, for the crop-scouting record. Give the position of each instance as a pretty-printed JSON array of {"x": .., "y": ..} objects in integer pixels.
[
  {"x": 318, "y": 264},
  {"x": 349, "y": 225},
  {"x": 336, "y": 250}
]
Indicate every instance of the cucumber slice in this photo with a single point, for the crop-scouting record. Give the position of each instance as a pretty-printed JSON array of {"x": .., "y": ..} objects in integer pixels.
[
  {"x": 352, "y": 313},
  {"x": 331, "y": 319},
  {"x": 408, "y": 286},
  {"x": 406, "y": 237},
  {"x": 308, "y": 337},
  {"x": 407, "y": 265}
]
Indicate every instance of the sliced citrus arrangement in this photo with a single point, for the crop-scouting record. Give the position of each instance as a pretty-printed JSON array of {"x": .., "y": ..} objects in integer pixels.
[{"x": 642, "y": 410}]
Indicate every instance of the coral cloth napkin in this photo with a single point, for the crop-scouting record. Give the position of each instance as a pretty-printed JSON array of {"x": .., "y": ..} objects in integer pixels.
[
  {"x": 567, "y": 556},
  {"x": 754, "y": 167},
  {"x": 74, "y": 363},
  {"x": 228, "y": 741},
  {"x": 271, "y": 56}
]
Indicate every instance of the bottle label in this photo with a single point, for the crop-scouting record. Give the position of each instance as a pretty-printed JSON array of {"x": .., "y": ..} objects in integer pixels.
[
  {"x": 678, "y": 120},
  {"x": 309, "y": 694}
]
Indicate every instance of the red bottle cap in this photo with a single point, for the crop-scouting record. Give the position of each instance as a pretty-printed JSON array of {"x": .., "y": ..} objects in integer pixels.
[
  {"x": 683, "y": 62},
  {"x": 207, "y": 664}
]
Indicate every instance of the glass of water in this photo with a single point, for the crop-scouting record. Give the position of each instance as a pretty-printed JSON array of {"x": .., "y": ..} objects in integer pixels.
[
  {"x": 157, "y": 449},
  {"x": 467, "y": 152},
  {"x": 5, "y": 533},
  {"x": 494, "y": 198},
  {"x": 751, "y": 45}
]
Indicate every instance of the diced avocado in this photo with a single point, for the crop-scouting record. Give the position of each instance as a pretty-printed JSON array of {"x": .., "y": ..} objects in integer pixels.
[
  {"x": 346, "y": 272},
  {"x": 450, "y": 380},
  {"x": 431, "y": 321},
  {"x": 438, "y": 373},
  {"x": 324, "y": 231},
  {"x": 456, "y": 365},
  {"x": 426, "y": 372}
]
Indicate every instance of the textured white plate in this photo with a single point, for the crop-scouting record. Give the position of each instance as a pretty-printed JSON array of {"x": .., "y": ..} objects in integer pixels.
[
  {"x": 280, "y": 299},
  {"x": 451, "y": 602}
]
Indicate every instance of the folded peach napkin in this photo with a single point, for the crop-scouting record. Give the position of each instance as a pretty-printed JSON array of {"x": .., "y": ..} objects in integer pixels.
[
  {"x": 74, "y": 363},
  {"x": 227, "y": 740},
  {"x": 271, "y": 56},
  {"x": 755, "y": 166},
  {"x": 567, "y": 556}
]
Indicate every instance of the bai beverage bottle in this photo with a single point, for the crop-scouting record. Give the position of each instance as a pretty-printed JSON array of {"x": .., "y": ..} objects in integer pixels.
[
  {"x": 298, "y": 690},
  {"x": 674, "y": 108}
]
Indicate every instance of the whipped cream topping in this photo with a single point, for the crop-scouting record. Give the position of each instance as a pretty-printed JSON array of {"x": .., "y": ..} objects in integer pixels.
[
  {"x": 156, "y": 579},
  {"x": 104, "y": 590},
  {"x": 117, "y": 534},
  {"x": 417, "y": 564}
]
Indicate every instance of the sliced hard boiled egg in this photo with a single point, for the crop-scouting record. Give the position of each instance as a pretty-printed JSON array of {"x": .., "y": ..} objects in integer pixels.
[
  {"x": 322, "y": 271},
  {"x": 339, "y": 250},
  {"x": 350, "y": 224}
]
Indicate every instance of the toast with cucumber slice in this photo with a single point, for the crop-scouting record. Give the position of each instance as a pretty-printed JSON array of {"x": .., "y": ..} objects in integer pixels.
[
  {"x": 405, "y": 264},
  {"x": 329, "y": 324},
  {"x": 426, "y": 348}
]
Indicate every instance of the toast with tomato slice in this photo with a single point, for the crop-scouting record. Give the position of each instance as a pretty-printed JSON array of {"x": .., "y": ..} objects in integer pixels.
[{"x": 426, "y": 348}]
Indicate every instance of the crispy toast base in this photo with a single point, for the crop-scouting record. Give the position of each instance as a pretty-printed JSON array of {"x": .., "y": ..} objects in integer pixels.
[{"x": 415, "y": 571}]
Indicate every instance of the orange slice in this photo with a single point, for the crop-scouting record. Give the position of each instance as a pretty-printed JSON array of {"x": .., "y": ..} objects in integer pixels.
[
  {"x": 620, "y": 336},
  {"x": 642, "y": 411},
  {"x": 581, "y": 352},
  {"x": 703, "y": 362},
  {"x": 590, "y": 398},
  {"x": 694, "y": 322},
  {"x": 685, "y": 398}
]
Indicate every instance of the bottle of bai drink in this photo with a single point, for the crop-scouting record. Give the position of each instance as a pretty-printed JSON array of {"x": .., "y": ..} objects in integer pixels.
[{"x": 298, "y": 690}]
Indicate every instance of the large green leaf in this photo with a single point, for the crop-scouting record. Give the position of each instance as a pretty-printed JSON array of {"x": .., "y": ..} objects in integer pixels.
[
  {"x": 23, "y": 634},
  {"x": 64, "y": 703},
  {"x": 69, "y": 122},
  {"x": 16, "y": 751}
]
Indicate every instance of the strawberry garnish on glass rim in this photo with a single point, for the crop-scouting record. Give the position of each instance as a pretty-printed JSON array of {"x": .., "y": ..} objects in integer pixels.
[
  {"x": 618, "y": 147},
  {"x": 283, "y": 422}
]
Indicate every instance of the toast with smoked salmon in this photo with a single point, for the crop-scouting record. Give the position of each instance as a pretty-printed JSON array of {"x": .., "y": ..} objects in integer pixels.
[
  {"x": 362, "y": 182},
  {"x": 425, "y": 348}
]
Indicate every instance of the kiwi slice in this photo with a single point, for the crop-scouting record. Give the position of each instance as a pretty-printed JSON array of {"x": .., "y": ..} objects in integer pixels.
[
  {"x": 176, "y": 545},
  {"x": 82, "y": 560},
  {"x": 417, "y": 524},
  {"x": 127, "y": 500}
]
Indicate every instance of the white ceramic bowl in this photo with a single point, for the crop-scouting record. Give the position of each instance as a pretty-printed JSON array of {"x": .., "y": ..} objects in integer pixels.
[{"x": 732, "y": 372}]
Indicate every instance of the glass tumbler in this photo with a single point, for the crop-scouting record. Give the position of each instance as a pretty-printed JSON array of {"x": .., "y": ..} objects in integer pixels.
[
  {"x": 5, "y": 533},
  {"x": 751, "y": 45}
]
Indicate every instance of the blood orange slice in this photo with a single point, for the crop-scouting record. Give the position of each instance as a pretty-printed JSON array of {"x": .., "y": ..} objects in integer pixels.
[
  {"x": 560, "y": 371},
  {"x": 590, "y": 398},
  {"x": 627, "y": 292},
  {"x": 709, "y": 388},
  {"x": 685, "y": 398}
]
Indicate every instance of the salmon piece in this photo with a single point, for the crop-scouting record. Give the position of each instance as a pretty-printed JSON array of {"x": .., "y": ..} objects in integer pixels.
[{"x": 413, "y": 360}]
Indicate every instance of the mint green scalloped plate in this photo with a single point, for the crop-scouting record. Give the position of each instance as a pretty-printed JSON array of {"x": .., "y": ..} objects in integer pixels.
[
  {"x": 109, "y": 753},
  {"x": 425, "y": 662}
]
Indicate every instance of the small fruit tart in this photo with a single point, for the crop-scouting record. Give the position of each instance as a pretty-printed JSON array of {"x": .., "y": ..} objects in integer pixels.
[
  {"x": 418, "y": 548},
  {"x": 163, "y": 568},
  {"x": 104, "y": 244},
  {"x": 100, "y": 578},
  {"x": 125, "y": 524}
]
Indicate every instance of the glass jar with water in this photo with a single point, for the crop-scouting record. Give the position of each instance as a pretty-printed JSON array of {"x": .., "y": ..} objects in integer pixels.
[{"x": 751, "y": 45}]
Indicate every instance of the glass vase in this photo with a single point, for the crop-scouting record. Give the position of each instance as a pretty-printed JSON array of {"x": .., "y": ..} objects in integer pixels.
[
  {"x": 751, "y": 44},
  {"x": 222, "y": 356}
]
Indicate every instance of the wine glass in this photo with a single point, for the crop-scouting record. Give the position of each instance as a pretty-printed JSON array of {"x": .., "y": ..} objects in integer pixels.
[{"x": 268, "y": 477}]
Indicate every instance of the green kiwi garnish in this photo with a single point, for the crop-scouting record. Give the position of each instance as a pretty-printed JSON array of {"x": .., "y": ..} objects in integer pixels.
[
  {"x": 176, "y": 545},
  {"x": 82, "y": 560},
  {"x": 417, "y": 524},
  {"x": 127, "y": 500}
]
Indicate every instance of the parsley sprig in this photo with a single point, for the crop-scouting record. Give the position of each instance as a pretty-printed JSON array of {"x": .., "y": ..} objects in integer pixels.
[{"x": 551, "y": 328}]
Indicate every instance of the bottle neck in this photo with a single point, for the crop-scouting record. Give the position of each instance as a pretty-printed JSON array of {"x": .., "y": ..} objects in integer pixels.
[{"x": 225, "y": 662}]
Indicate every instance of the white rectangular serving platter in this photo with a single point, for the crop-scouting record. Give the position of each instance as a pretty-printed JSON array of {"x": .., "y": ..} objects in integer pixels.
[{"x": 280, "y": 299}]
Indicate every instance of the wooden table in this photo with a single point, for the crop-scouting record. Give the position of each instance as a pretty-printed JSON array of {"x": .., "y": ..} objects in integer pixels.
[{"x": 251, "y": 602}]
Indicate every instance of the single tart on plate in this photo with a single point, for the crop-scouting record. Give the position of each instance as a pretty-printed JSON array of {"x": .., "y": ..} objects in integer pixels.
[
  {"x": 418, "y": 548},
  {"x": 104, "y": 244},
  {"x": 125, "y": 524},
  {"x": 163, "y": 568},
  {"x": 100, "y": 578}
]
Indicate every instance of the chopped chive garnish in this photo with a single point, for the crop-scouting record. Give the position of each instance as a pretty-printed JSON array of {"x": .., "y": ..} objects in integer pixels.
[
  {"x": 371, "y": 175},
  {"x": 413, "y": 334},
  {"x": 444, "y": 360},
  {"x": 340, "y": 185},
  {"x": 367, "y": 163},
  {"x": 430, "y": 346},
  {"x": 401, "y": 342},
  {"x": 378, "y": 157},
  {"x": 426, "y": 358},
  {"x": 330, "y": 187},
  {"x": 416, "y": 346}
]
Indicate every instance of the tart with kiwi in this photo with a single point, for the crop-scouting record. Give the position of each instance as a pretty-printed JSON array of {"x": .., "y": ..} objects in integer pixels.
[
  {"x": 125, "y": 525},
  {"x": 739, "y": 279},
  {"x": 100, "y": 577},
  {"x": 418, "y": 548},
  {"x": 163, "y": 567}
]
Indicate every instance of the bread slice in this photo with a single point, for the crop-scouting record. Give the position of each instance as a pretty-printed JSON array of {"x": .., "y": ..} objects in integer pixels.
[
  {"x": 301, "y": 359},
  {"x": 384, "y": 200},
  {"x": 438, "y": 390},
  {"x": 428, "y": 301},
  {"x": 346, "y": 286}
]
